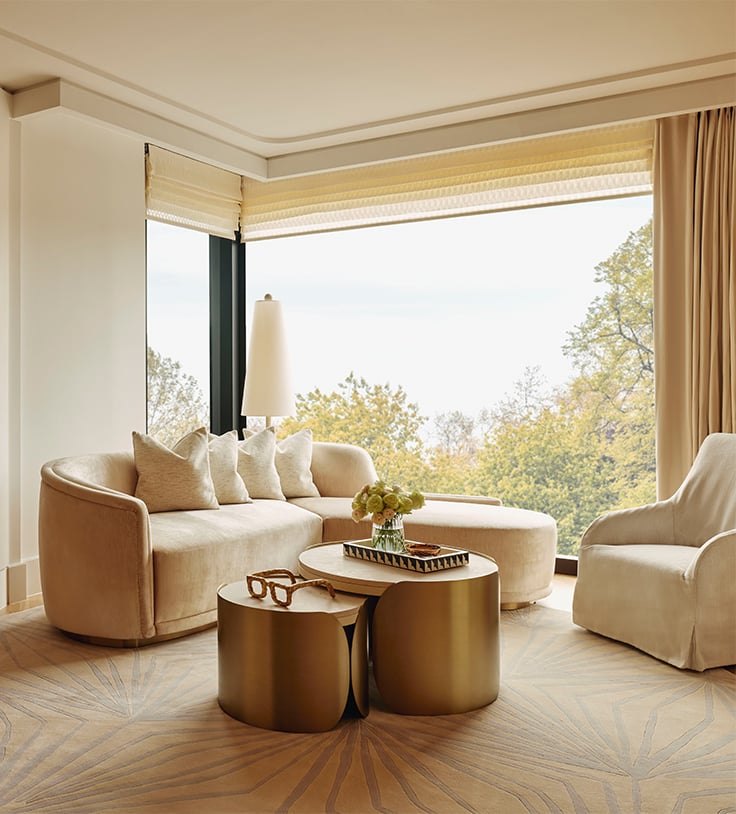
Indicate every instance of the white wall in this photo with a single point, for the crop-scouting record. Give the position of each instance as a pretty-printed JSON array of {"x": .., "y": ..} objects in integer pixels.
[
  {"x": 82, "y": 329},
  {"x": 5, "y": 339}
]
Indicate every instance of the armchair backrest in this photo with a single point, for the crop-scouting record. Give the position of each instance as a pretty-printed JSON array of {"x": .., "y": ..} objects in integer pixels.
[{"x": 705, "y": 503}]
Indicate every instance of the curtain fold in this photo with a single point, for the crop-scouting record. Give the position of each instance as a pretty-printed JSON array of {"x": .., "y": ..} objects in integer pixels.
[{"x": 694, "y": 286}]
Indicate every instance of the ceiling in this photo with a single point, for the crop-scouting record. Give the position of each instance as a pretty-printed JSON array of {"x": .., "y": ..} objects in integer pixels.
[{"x": 282, "y": 77}]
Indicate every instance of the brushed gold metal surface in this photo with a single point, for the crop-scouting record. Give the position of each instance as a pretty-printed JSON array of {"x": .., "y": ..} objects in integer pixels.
[
  {"x": 286, "y": 670},
  {"x": 436, "y": 646},
  {"x": 434, "y": 637},
  {"x": 359, "y": 662}
]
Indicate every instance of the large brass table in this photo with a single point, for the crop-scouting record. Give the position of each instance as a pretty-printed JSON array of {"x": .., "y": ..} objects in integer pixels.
[{"x": 434, "y": 636}]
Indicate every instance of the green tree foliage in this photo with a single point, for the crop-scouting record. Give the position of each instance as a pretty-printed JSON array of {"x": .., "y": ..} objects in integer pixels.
[
  {"x": 375, "y": 417},
  {"x": 176, "y": 404},
  {"x": 613, "y": 348},
  {"x": 613, "y": 353}
]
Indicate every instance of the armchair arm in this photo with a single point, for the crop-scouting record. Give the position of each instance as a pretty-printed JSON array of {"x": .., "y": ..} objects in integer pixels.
[
  {"x": 96, "y": 559},
  {"x": 716, "y": 559},
  {"x": 651, "y": 524},
  {"x": 710, "y": 574},
  {"x": 341, "y": 470},
  {"x": 450, "y": 498}
]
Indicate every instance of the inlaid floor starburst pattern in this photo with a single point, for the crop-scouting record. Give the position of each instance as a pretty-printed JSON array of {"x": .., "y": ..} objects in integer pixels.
[{"x": 582, "y": 725}]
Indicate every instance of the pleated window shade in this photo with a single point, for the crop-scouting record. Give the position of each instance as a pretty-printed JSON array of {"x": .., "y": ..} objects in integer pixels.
[
  {"x": 583, "y": 165},
  {"x": 185, "y": 192}
]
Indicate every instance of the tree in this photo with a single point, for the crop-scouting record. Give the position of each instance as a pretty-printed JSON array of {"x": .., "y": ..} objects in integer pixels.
[
  {"x": 375, "y": 417},
  {"x": 455, "y": 433},
  {"x": 550, "y": 464},
  {"x": 613, "y": 348},
  {"x": 613, "y": 351},
  {"x": 176, "y": 404}
]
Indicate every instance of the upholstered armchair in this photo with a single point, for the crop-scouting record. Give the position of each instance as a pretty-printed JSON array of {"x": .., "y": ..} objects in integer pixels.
[{"x": 662, "y": 577}]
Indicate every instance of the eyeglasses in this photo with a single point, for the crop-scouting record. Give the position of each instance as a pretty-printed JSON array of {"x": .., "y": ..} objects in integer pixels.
[{"x": 259, "y": 585}]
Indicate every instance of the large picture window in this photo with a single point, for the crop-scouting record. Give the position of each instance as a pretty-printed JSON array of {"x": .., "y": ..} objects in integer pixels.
[{"x": 505, "y": 354}]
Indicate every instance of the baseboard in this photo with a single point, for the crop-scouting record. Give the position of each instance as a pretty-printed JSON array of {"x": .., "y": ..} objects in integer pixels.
[{"x": 22, "y": 579}]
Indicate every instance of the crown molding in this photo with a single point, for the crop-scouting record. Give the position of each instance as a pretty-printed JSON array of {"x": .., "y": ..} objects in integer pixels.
[{"x": 61, "y": 96}]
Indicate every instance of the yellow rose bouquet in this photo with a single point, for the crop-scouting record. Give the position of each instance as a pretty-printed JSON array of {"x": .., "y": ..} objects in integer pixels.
[
  {"x": 383, "y": 502},
  {"x": 386, "y": 505}
]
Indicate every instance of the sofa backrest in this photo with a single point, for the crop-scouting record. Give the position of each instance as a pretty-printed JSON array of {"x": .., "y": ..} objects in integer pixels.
[
  {"x": 107, "y": 470},
  {"x": 341, "y": 470},
  {"x": 338, "y": 470}
]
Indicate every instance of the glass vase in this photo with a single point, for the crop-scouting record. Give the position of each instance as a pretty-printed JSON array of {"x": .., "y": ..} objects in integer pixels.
[{"x": 390, "y": 535}]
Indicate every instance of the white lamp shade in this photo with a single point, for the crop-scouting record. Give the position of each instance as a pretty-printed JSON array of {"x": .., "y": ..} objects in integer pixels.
[{"x": 268, "y": 389}]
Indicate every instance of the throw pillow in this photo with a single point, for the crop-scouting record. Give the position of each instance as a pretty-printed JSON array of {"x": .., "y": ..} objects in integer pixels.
[
  {"x": 293, "y": 463},
  {"x": 229, "y": 486},
  {"x": 173, "y": 480},
  {"x": 257, "y": 465}
]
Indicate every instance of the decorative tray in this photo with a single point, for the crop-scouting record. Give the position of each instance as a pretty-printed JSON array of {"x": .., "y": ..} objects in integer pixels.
[{"x": 447, "y": 558}]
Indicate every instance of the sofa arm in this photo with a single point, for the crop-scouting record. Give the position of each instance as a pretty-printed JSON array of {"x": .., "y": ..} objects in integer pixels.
[
  {"x": 95, "y": 558},
  {"x": 649, "y": 524},
  {"x": 484, "y": 499},
  {"x": 341, "y": 470}
]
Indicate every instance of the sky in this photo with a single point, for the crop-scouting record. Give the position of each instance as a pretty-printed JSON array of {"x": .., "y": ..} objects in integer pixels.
[{"x": 453, "y": 310}]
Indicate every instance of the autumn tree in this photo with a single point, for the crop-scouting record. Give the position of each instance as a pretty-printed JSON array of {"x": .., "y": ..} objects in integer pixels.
[
  {"x": 176, "y": 404},
  {"x": 373, "y": 416}
]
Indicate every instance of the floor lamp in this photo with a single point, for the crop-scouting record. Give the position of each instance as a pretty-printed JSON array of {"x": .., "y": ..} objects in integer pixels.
[{"x": 268, "y": 389}]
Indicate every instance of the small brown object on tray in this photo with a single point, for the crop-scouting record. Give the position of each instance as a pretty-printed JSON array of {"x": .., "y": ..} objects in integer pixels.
[{"x": 423, "y": 549}]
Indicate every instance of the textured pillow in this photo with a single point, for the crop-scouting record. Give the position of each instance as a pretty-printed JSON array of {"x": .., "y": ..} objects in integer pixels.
[
  {"x": 293, "y": 463},
  {"x": 229, "y": 486},
  {"x": 257, "y": 465},
  {"x": 174, "y": 479}
]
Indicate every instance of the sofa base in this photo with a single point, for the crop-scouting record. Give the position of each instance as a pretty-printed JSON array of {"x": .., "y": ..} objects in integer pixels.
[{"x": 164, "y": 637}]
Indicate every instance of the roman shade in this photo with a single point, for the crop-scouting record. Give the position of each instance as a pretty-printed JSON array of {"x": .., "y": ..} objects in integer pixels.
[
  {"x": 581, "y": 165},
  {"x": 185, "y": 192}
]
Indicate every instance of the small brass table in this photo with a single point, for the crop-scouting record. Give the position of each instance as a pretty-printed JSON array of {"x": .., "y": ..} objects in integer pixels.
[
  {"x": 434, "y": 636},
  {"x": 295, "y": 669}
]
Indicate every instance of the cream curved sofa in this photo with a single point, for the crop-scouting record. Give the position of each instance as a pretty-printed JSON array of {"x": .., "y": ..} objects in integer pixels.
[{"x": 111, "y": 572}]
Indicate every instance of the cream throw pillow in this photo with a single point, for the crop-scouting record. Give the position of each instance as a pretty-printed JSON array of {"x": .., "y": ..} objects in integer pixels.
[
  {"x": 257, "y": 465},
  {"x": 293, "y": 463},
  {"x": 174, "y": 479},
  {"x": 229, "y": 486}
]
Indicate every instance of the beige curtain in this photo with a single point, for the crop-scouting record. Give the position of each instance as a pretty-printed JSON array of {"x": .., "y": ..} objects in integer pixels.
[{"x": 694, "y": 286}]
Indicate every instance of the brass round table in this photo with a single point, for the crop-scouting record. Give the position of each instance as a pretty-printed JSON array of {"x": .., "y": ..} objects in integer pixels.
[
  {"x": 434, "y": 636},
  {"x": 295, "y": 669}
]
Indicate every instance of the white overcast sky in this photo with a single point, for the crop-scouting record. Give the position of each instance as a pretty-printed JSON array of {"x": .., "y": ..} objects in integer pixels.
[{"x": 453, "y": 310}]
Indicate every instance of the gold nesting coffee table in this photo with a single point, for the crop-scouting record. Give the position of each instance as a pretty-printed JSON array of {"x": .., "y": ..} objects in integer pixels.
[
  {"x": 434, "y": 636},
  {"x": 295, "y": 668}
]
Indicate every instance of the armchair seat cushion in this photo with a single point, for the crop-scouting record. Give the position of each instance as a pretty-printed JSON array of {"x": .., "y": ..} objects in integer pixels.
[{"x": 638, "y": 594}]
